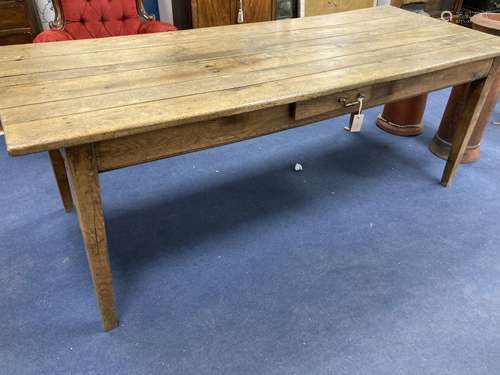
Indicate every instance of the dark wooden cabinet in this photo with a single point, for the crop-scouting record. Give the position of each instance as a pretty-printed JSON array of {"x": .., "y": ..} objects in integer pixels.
[
  {"x": 17, "y": 22},
  {"x": 208, "y": 13},
  {"x": 258, "y": 10}
]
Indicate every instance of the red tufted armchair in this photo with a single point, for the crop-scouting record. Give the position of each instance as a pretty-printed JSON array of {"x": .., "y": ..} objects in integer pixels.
[{"x": 85, "y": 19}]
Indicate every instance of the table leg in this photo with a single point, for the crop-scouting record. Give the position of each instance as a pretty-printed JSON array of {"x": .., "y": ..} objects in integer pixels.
[
  {"x": 441, "y": 143},
  {"x": 81, "y": 166},
  {"x": 471, "y": 111},
  {"x": 59, "y": 169}
]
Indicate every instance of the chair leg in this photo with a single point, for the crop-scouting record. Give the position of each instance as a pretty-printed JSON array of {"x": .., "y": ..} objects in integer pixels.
[{"x": 59, "y": 169}]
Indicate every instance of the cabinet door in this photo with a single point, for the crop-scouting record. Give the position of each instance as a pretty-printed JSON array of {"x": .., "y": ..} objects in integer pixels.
[
  {"x": 225, "y": 12},
  {"x": 12, "y": 15},
  {"x": 257, "y": 10},
  {"x": 208, "y": 13}
]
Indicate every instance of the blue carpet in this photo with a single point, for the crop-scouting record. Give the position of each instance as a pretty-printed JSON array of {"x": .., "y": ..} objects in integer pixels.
[{"x": 227, "y": 262}]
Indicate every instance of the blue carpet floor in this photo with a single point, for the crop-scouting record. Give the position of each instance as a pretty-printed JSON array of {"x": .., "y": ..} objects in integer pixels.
[{"x": 227, "y": 262}]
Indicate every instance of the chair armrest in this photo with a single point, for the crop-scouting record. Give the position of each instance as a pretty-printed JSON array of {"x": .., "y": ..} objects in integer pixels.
[
  {"x": 156, "y": 27},
  {"x": 52, "y": 36}
]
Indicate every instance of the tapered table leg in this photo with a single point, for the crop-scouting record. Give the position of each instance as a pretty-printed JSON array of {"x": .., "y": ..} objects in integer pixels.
[
  {"x": 473, "y": 105},
  {"x": 84, "y": 179},
  {"x": 441, "y": 143},
  {"x": 59, "y": 169}
]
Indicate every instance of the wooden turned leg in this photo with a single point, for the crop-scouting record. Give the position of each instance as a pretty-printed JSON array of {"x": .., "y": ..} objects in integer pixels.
[
  {"x": 473, "y": 105},
  {"x": 59, "y": 169},
  {"x": 84, "y": 178}
]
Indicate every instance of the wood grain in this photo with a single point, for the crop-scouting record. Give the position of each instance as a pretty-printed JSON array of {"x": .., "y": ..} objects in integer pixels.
[
  {"x": 126, "y": 151},
  {"x": 12, "y": 15},
  {"x": 61, "y": 176},
  {"x": 18, "y": 22},
  {"x": 228, "y": 98},
  {"x": 473, "y": 106},
  {"x": 135, "y": 62},
  {"x": 81, "y": 166},
  {"x": 393, "y": 91},
  {"x": 145, "y": 85},
  {"x": 222, "y": 33},
  {"x": 208, "y": 13},
  {"x": 258, "y": 10},
  {"x": 177, "y": 140},
  {"x": 80, "y": 95},
  {"x": 203, "y": 49}
]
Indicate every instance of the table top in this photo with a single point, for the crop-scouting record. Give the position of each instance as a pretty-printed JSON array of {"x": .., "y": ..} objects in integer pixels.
[{"x": 64, "y": 94}]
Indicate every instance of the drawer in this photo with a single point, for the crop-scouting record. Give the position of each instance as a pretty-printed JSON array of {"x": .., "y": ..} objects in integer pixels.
[
  {"x": 12, "y": 15},
  {"x": 16, "y": 36},
  {"x": 387, "y": 92}
]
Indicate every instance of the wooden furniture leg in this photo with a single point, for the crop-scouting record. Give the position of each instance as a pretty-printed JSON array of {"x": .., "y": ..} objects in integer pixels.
[
  {"x": 57, "y": 161},
  {"x": 474, "y": 103},
  {"x": 441, "y": 143},
  {"x": 81, "y": 166}
]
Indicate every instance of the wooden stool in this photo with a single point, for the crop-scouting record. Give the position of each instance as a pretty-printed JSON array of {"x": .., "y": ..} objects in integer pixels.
[{"x": 441, "y": 143}]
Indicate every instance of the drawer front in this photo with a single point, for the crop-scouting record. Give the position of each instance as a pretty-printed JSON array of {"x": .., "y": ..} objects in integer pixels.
[
  {"x": 12, "y": 15},
  {"x": 17, "y": 36}
]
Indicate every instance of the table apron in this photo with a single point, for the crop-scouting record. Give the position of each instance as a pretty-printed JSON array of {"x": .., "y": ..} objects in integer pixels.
[{"x": 181, "y": 139}]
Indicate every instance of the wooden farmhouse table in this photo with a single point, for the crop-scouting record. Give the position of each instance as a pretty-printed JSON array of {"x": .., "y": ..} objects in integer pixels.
[{"x": 101, "y": 104}]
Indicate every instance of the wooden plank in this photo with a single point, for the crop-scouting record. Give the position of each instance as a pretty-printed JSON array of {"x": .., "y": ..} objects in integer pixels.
[
  {"x": 111, "y": 123},
  {"x": 108, "y": 78},
  {"x": 473, "y": 106},
  {"x": 82, "y": 170},
  {"x": 389, "y": 92},
  {"x": 198, "y": 55},
  {"x": 197, "y": 50},
  {"x": 183, "y": 37},
  {"x": 161, "y": 83},
  {"x": 177, "y": 140}
]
